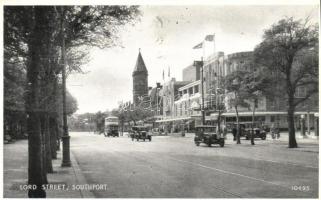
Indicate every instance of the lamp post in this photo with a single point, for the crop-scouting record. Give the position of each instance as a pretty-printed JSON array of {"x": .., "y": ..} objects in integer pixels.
[
  {"x": 158, "y": 87},
  {"x": 202, "y": 92},
  {"x": 65, "y": 138},
  {"x": 201, "y": 64}
]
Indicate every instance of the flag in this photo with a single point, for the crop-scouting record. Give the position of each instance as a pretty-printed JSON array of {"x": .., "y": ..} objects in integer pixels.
[
  {"x": 200, "y": 45},
  {"x": 209, "y": 38}
]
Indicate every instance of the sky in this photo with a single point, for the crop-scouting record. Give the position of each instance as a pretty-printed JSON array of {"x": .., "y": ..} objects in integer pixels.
[{"x": 166, "y": 36}]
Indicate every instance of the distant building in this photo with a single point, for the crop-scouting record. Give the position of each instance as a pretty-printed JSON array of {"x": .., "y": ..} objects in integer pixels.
[
  {"x": 170, "y": 94},
  {"x": 191, "y": 73},
  {"x": 140, "y": 80},
  {"x": 156, "y": 99}
]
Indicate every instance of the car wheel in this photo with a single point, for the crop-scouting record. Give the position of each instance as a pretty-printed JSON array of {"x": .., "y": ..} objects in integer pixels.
[
  {"x": 150, "y": 138},
  {"x": 209, "y": 144},
  {"x": 263, "y": 137},
  {"x": 247, "y": 138},
  {"x": 197, "y": 143}
]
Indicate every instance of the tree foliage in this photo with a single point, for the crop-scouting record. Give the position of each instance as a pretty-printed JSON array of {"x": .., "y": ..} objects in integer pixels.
[
  {"x": 289, "y": 50},
  {"x": 236, "y": 94},
  {"x": 32, "y": 44},
  {"x": 96, "y": 25}
]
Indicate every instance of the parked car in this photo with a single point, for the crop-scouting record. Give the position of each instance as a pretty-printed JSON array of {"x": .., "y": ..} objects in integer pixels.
[
  {"x": 208, "y": 135},
  {"x": 140, "y": 133},
  {"x": 246, "y": 129}
]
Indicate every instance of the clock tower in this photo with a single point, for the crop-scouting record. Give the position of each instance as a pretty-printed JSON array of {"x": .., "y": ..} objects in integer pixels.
[{"x": 140, "y": 80}]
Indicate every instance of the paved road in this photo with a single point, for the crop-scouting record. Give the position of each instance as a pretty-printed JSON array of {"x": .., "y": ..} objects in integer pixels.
[{"x": 174, "y": 167}]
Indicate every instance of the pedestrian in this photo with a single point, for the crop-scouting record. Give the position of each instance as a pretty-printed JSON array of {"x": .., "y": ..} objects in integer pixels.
[
  {"x": 224, "y": 131},
  {"x": 273, "y": 131},
  {"x": 234, "y": 131},
  {"x": 277, "y": 130}
]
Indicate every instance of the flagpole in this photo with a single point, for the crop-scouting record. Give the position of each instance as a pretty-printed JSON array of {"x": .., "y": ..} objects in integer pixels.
[{"x": 203, "y": 46}]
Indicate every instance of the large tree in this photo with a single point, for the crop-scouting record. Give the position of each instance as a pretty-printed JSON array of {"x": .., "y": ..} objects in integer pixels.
[
  {"x": 256, "y": 85},
  {"x": 290, "y": 50},
  {"x": 236, "y": 94},
  {"x": 36, "y": 170},
  {"x": 27, "y": 37}
]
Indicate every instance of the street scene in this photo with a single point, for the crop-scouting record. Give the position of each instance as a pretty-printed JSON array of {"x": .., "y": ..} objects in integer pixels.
[
  {"x": 154, "y": 101},
  {"x": 171, "y": 166}
]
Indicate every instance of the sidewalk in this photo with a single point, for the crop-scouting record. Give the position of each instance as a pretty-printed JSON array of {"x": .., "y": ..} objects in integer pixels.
[{"x": 15, "y": 174}]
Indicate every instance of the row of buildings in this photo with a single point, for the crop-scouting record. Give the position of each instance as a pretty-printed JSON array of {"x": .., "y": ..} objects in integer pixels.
[{"x": 177, "y": 103}]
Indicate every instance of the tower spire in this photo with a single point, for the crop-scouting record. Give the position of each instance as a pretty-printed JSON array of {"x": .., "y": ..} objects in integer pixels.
[{"x": 140, "y": 64}]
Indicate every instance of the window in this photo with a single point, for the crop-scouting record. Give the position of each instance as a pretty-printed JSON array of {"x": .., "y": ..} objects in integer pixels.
[
  {"x": 186, "y": 110},
  {"x": 272, "y": 118},
  {"x": 196, "y": 89},
  {"x": 300, "y": 92}
]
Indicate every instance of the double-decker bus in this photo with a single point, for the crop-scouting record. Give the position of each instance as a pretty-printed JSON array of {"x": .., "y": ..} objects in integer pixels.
[{"x": 111, "y": 126}]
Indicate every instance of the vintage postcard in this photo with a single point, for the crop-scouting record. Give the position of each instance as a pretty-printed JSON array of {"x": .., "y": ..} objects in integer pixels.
[{"x": 170, "y": 99}]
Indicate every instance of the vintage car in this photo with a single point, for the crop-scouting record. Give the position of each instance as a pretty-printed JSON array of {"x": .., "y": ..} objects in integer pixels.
[
  {"x": 208, "y": 135},
  {"x": 246, "y": 129},
  {"x": 140, "y": 133}
]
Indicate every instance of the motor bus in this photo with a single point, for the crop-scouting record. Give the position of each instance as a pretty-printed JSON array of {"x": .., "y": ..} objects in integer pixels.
[{"x": 111, "y": 126}]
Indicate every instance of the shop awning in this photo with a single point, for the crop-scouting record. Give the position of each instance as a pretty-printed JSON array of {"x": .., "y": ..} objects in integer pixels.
[
  {"x": 173, "y": 119},
  {"x": 261, "y": 113}
]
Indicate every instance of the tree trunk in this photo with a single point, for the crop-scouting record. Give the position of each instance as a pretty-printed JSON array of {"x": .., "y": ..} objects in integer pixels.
[
  {"x": 238, "y": 135},
  {"x": 43, "y": 144},
  {"x": 36, "y": 175},
  {"x": 252, "y": 131},
  {"x": 291, "y": 107},
  {"x": 35, "y": 166},
  {"x": 59, "y": 125},
  {"x": 53, "y": 124},
  {"x": 292, "y": 140},
  {"x": 43, "y": 147},
  {"x": 49, "y": 168},
  {"x": 53, "y": 137}
]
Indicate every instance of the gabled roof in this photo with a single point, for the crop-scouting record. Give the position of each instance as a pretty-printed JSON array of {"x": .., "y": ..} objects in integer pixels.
[{"x": 140, "y": 64}]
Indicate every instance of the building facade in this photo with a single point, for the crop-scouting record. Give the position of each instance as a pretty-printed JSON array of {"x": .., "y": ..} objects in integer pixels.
[
  {"x": 182, "y": 105},
  {"x": 170, "y": 94}
]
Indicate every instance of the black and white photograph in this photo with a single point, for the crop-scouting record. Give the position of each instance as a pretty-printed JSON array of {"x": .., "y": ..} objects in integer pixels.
[{"x": 160, "y": 99}]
